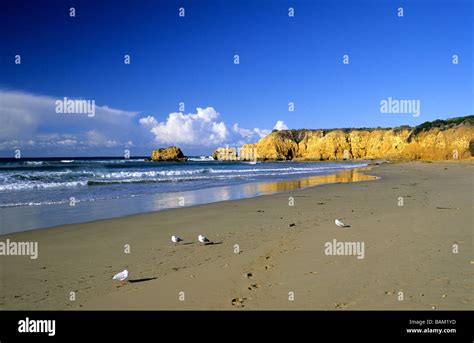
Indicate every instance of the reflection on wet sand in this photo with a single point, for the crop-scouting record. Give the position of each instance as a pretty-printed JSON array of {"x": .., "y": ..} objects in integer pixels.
[
  {"x": 34, "y": 217},
  {"x": 250, "y": 190},
  {"x": 350, "y": 175}
]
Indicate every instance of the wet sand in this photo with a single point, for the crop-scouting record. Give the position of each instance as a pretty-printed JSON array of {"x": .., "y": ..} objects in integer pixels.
[{"x": 281, "y": 260}]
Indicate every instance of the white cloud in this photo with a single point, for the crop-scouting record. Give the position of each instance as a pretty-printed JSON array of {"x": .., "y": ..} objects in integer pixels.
[
  {"x": 242, "y": 132},
  {"x": 67, "y": 142},
  {"x": 26, "y": 117},
  {"x": 280, "y": 125},
  {"x": 99, "y": 139},
  {"x": 261, "y": 132},
  {"x": 199, "y": 129},
  {"x": 148, "y": 121},
  {"x": 29, "y": 122}
]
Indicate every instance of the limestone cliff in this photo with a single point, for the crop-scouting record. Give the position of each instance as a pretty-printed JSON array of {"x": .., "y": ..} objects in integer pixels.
[
  {"x": 171, "y": 153},
  {"x": 438, "y": 140}
]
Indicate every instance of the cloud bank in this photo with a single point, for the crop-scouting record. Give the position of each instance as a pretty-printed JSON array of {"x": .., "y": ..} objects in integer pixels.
[
  {"x": 202, "y": 128},
  {"x": 29, "y": 122}
]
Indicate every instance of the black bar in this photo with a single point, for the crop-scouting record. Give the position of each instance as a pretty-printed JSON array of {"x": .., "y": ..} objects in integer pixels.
[{"x": 317, "y": 325}]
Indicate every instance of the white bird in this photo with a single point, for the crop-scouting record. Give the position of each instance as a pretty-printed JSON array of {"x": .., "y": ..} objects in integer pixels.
[
  {"x": 121, "y": 276},
  {"x": 203, "y": 239},
  {"x": 176, "y": 239},
  {"x": 340, "y": 223}
]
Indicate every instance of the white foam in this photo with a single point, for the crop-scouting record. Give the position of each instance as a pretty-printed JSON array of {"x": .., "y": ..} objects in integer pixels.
[
  {"x": 150, "y": 174},
  {"x": 19, "y": 186},
  {"x": 287, "y": 169}
]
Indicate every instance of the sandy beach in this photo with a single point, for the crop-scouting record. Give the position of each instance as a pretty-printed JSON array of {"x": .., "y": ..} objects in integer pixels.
[{"x": 409, "y": 220}]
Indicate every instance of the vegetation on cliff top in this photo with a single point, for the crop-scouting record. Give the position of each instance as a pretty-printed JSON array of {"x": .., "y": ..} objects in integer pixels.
[
  {"x": 444, "y": 124},
  {"x": 296, "y": 135}
]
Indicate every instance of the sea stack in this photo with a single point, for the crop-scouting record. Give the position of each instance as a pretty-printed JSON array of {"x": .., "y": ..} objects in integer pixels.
[{"x": 172, "y": 153}]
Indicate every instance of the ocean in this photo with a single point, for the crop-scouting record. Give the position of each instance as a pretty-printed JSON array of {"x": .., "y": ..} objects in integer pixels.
[{"x": 39, "y": 193}]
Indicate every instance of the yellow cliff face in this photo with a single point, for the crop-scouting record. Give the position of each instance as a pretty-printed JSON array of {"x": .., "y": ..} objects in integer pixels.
[
  {"x": 275, "y": 147},
  {"x": 402, "y": 144},
  {"x": 435, "y": 144}
]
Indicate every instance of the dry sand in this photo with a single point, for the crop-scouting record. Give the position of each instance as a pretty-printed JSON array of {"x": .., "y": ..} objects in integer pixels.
[{"x": 408, "y": 249}]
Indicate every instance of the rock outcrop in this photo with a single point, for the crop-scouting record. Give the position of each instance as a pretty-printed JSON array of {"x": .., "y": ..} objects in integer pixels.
[
  {"x": 171, "y": 153},
  {"x": 438, "y": 140}
]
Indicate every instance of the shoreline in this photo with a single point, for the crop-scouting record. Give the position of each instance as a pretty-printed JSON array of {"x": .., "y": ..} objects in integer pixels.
[
  {"x": 407, "y": 249},
  {"x": 148, "y": 203}
]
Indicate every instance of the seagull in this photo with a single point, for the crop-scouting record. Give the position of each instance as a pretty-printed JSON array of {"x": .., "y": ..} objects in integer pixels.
[
  {"x": 203, "y": 239},
  {"x": 121, "y": 276},
  {"x": 340, "y": 223},
  {"x": 176, "y": 239}
]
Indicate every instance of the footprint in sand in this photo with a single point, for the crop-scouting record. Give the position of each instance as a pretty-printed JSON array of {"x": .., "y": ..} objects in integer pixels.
[
  {"x": 248, "y": 275},
  {"x": 341, "y": 305},
  {"x": 268, "y": 266},
  {"x": 238, "y": 302},
  {"x": 254, "y": 286}
]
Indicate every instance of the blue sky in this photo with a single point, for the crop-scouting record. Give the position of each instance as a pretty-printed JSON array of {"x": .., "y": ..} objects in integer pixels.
[{"x": 190, "y": 59}]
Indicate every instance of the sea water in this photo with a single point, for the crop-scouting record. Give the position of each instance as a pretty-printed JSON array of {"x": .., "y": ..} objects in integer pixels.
[{"x": 38, "y": 193}]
